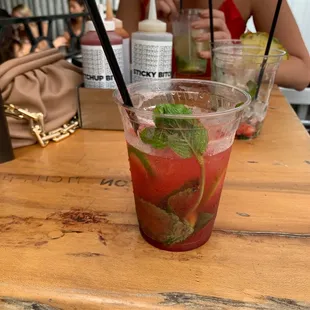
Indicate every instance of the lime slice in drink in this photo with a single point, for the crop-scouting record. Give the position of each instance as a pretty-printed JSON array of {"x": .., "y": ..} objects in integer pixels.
[{"x": 140, "y": 159}]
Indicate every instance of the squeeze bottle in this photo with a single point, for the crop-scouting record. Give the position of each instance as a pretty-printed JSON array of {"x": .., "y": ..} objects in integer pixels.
[
  {"x": 126, "y": 40},
  {"x": 96, "y": 69},
  {"x": 151, "y": 49}
]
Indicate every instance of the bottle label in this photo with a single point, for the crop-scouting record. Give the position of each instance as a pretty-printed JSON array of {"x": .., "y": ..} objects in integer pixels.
[
  {"x": 96, "y": 69},
  {"x": 126, "y": 53},
  {"x": 151, "y": 60}
]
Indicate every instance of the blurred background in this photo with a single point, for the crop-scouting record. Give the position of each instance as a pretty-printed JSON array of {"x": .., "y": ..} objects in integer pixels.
[
  {"x": 300, "y": 101},
  {"x": 43, "y": 7},
  {"x": 300, "y": 8},
  {"x": 48, "y": 7}
]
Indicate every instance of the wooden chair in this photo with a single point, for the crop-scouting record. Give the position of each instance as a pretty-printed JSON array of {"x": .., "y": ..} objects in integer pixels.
[{"x": 300, "y": 100}]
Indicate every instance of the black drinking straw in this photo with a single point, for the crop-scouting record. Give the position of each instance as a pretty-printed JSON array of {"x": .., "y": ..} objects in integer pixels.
[
  {"x": 106, "y": 45},
  {"x": 271, "y": 33},
  {"x": 211, "y": 23},
  {"x": 181, "y": 5}
]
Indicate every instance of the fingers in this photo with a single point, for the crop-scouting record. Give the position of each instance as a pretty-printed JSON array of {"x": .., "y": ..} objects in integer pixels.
[
  {"x": 167, "y": 7},
  {"x": 216, "y": 14},
  {"x": 177, "y": 4},
  {"x": 218, "y": 35},
  {"x": 205, "y": 54},
  {"x": 218, "y": 23},
  {"x": 164, "y": 8}
]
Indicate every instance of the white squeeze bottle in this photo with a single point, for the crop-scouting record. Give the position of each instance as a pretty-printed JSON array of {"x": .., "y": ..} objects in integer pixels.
[
  {"x": 126, "y": 40},
  {"x": 151, "y": 49},
  {"x": 96, "y": 69}
]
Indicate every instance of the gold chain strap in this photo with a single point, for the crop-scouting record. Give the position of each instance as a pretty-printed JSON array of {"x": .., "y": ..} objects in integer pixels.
[{"x": 36, "y": 121}]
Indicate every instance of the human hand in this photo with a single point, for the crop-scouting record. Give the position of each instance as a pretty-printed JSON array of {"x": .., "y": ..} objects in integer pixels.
[
  {"x": 166, "y": 9},
  {"x": 60, "y": 41},
  {"x": 221, "y": 31}
]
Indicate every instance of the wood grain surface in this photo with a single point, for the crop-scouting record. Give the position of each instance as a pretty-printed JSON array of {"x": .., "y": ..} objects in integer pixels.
[{"x": 69, "y": 235}]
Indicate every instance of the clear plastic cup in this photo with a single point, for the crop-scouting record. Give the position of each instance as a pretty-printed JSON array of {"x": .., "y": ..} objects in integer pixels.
[
  {"x": 178, "y": 161},
  {"x": 186, "y": 48},
  {"x": 240, "y": 66},
  {"x": 223, "y": 42}
]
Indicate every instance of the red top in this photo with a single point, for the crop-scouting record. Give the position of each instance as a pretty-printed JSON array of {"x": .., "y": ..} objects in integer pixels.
[{"x": 234, "y": 20}]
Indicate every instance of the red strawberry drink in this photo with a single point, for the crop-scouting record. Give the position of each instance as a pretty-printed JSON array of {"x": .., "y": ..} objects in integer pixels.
[
  {"x": 240, "y": 66},
  {"x": 179, "y": 138}
]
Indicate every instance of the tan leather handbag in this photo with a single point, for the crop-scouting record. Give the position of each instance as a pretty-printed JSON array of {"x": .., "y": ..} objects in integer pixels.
[{"x": 40, "y": 97}]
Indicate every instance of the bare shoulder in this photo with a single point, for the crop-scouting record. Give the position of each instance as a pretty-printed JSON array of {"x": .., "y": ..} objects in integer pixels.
[
  {"x": 286, "y": 31},
  {"x": 264, "y": 11}
]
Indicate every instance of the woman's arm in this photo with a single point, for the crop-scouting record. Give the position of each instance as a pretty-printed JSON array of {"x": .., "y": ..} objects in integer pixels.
[
  {"x": 295, "y": 72},
  {"x": 129, "y": 11}
]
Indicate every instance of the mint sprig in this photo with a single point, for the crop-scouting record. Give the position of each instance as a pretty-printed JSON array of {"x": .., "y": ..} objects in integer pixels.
[
  {"x": 239, "y": 104},
  {"x": 252, "y": 88},
  {"x": 155, "y": 137},
  {"x": 161, "y": 225},
  {"x": 187, "y": 137}
]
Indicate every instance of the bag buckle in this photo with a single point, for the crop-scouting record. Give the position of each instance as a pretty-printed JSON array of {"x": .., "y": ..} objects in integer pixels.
[{"x": 36, "y": 121}]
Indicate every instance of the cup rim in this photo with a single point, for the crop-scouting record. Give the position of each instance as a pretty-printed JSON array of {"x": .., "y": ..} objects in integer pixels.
[
  {"x": 149, "y": 114},
  {"x": 279, "y": 53},
  {"x": 228, "y": 40},
  {"x": 193, "y": 10}
]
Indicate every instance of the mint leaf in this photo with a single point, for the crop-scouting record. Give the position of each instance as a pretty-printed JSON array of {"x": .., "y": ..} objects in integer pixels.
[
  {"x": 174, "y": 109},
  {"x": 200, "y": 139},
  {"x": 203, "y": 220},
  {"x": 239, "y": 104},
  {"x": 157, "y": 138},
  {"x": 186, "y": 137},
  {"x": 160, "y": 225},
  {"x": 192, "y": 185},
  {"x": 252, "y": 88},
  {"x": 180, "y": 146},
  {"x": 181, "y": 202}
]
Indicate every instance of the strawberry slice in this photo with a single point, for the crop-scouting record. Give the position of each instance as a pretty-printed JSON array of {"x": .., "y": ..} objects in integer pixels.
[{"x": 245, "y": 130}]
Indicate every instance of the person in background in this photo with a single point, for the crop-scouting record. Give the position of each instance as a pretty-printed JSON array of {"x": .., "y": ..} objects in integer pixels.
[
  {"x": 7, "y": 40},
  {"x": 75, "y": 7},
  {"x": 230, "y": 18},
  {"x": 11, "y": 47},
  {"x": 23, "y": 10}
]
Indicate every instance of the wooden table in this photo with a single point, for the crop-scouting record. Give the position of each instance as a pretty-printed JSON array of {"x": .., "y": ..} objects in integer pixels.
[{"x": 70, "y": 240}]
